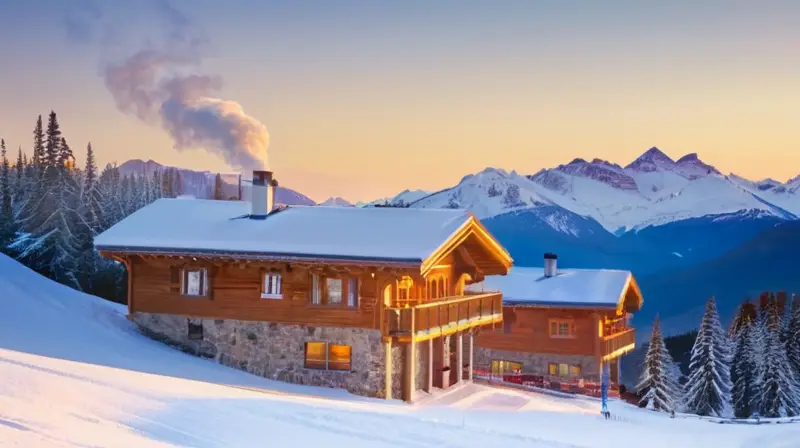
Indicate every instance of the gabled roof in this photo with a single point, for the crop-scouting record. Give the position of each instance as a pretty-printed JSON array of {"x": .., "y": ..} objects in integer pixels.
[
  {"x": 570, "y": 288},
  {"x": 206, "y": 227}
]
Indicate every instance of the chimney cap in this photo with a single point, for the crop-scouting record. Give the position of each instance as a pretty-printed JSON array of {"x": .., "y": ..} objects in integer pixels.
[
  {"x": 262, "y": 177},
  {"x": 550, "y": 256}
]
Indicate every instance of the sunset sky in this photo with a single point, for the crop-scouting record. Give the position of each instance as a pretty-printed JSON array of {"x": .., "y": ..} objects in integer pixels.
[{"x": 363, "y": 99}]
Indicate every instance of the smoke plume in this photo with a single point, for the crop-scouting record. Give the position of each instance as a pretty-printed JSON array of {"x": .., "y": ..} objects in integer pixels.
[{"x": 160, "y": 85}]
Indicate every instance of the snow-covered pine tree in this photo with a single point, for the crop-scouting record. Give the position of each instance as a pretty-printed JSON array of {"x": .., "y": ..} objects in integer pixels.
[
  {"x": 37, "y": 160},
  {"x": 6, "y": 213},
  {"x": 19, "y": 168},
  {"x": 708, "y": 390},
  {"x": 52, "y": 147},
  {"x": 793, "y": 340},
  {"x": 178, "y": 188},
  {"x": 658, "y": 385},
  {"x": 744, "y": 367},
  {"x": 778, "y": 392}
]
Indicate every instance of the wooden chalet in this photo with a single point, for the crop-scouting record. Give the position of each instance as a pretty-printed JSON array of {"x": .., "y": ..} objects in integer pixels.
[
  {"x": 373, "y": 300},
  {"x": 559, "y": 326}
]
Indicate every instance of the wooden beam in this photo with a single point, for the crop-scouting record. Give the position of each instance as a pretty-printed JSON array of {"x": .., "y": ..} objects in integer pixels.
[{"x": 388, "y": 378}]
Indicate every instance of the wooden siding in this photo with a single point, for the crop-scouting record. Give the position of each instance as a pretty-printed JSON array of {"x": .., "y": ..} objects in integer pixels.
[
  {"x": 236, "y": 294},
  {"x": 528, "y": 330}
]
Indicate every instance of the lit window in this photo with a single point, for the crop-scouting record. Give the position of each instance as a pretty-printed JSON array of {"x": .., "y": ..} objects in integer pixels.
[
  {"x": 324, "y": 356},
  {"x": 338, "y": 357},
  {"x": 195, "y": 282},
  {"x": 272, "y": 287},
  {"x": 316, "y": 355},
  {"x": 574, "y": 370},
  {"x": 552, "y": 369},
  {"x": 563, "y": 370}
]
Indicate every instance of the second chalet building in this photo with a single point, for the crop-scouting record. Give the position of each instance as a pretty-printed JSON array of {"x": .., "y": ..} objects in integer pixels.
[
  {"x": 560, "y": 327},
  {"x": 368, "y": 299}
]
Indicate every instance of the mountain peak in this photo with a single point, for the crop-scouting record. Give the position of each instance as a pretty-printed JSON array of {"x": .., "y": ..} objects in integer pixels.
[
  {"x": 691, "y": 157},
  {"x": 336, "y": 202}
]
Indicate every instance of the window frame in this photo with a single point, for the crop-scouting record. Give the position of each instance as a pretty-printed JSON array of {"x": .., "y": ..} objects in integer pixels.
[
  {"x": 204, "y": 282},
  {"x": 272, "y": 295},
  {"x": 319, "y": 296},
  {"x": 328, "y": 349},
  {"x": 570, "y": 369},
  {"x": 571, "y": 330}
]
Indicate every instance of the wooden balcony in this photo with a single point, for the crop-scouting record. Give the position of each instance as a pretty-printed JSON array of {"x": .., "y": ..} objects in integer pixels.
[
  {"x": 618, "y": 344},
  {"x": 442, "y": 317}
]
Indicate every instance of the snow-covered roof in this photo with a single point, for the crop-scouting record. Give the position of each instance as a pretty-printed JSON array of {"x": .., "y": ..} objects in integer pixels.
[
  {"x": 523, "y": 286},
  {"x": 222, "y": 227}
]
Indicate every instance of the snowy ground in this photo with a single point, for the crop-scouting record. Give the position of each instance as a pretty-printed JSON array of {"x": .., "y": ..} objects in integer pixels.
[{"x": 75, "y": 372}]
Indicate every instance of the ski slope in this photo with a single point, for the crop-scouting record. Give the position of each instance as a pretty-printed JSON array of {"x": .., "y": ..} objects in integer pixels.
[{"x": 75, "y": 372}]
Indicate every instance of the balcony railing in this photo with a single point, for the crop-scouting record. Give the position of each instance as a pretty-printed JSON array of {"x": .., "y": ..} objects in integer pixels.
[
  {"x": 444, "y": 316},
  {"x": 617, "y": 344}
]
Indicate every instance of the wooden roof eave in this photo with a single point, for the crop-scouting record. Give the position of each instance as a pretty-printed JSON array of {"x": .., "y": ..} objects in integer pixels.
[
  {"x": 630, "y": 286},
  {"x": 117, "y": 253},
  {"x": 470, "y": 227}
]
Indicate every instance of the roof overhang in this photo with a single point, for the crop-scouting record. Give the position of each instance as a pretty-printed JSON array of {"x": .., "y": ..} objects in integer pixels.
[
  {"x": 630, "y": 299},
  {"x": 471, "y": 227},
  {"x": 112, "y": 251},
  {"x": 545, "y": 304}
]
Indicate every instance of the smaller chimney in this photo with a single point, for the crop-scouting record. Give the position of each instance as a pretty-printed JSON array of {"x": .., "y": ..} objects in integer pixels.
[
  {"x": 550, "y": 265},
  {"x": 262, "y": 195}
]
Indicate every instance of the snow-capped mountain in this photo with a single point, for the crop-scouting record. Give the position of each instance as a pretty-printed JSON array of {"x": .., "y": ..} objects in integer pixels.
[
  {"x": 402, "y": 199},
  {"x": 652, "y": 190},
  {"x": 336, "y": 202},
  {"x": 785, "y": 195}
]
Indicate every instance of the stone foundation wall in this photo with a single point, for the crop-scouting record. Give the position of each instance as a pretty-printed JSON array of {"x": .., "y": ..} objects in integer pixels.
[
  {"x": 537, "y": 363},
  {"x": 277, "y": 351}
]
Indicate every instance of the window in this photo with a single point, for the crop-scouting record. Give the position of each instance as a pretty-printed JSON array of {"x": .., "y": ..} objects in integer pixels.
[
  {"x": 316, "y": 355},
  {"x": 562, "y": 328},
  {"x": 195, "y": 282},
  {"x": 338, "y": 357},
  {"x": 334, "y": 291},
  {"x": 352, "y": 293},
  {"x": 500, "y": 367},
  {"x": 272, "y": 287},
  {"x": 324, "y": 356},
  {"x": 195, "y": 329},
  {"x": 563, "y": 370}
]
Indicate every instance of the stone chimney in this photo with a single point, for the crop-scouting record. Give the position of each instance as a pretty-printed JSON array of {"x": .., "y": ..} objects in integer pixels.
[
  {"x": 550, "y": 265},
  {"x": 262, "y": 197}
]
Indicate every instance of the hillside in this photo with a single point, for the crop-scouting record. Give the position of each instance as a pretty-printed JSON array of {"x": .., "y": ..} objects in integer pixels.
[
  {"x": 200, "y": 183},
  {"x": 768, "y": 261},
  {"x": 75, "y": 372}
]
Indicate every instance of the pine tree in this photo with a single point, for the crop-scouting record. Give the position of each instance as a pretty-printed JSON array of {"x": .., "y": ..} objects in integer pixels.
[
  {"x": 744, "y": 367},
  {"x": 6, "y": 213},
  {"x": 65, "y": 157},
  {"x": 793, "y": 340},
  {"x": 20, "y": 171},
  {"x": 658, "y": 384},
  {"x": 38, "y": 145},
  {"x": 708, "y": 391},
  {"x": 178, "y": 189},
  {"x": 53, "y": 145},
  {"x": 778, "y": 394},
  {"x": 218, "y": 188}
]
